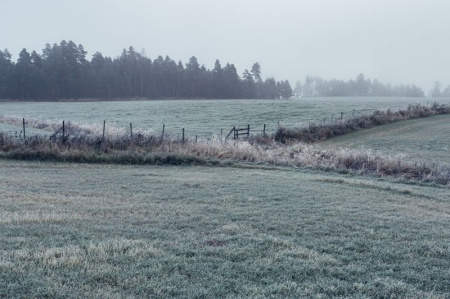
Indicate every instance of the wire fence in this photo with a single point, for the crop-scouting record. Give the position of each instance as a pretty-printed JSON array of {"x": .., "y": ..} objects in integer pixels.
[{"x": 109, "y": 129}]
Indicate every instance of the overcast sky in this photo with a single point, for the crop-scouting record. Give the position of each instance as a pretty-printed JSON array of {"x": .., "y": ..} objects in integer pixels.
[{"x": 397, "y": 41}]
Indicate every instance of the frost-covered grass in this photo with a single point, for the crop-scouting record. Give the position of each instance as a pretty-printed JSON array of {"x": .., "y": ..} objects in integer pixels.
[
  {"x": 315, "y": 132},
  {"x": 424, "y": 140},
  {"x": 83, "y": 230},
  {"x": 199, "y": 117},
  {"x": 151, "y": 149}
]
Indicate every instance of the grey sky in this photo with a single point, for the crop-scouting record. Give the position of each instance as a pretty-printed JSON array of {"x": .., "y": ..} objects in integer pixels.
[{"x": 398, "y": 41}]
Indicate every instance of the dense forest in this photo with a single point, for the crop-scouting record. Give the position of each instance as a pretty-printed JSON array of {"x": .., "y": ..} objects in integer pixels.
[
  {"x": 63, "y": 72},
  {"x": 318, "y": 87}
]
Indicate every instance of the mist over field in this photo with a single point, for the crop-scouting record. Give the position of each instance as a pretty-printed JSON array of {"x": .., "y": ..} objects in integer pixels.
[
  {"x": 396, "y": 42},
  {"x": 224, "y": 149}
]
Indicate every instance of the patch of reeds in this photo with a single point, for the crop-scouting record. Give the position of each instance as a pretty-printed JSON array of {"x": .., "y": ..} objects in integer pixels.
[{"x": 318, "y": 132}]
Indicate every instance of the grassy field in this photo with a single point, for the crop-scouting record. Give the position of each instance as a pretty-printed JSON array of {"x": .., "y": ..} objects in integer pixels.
[
  {"x": 425, "y": 139},
  {"x": 245, "y": 230},
  {"x": 198, "y": 117},
  {"x": 77, "y": 230}
]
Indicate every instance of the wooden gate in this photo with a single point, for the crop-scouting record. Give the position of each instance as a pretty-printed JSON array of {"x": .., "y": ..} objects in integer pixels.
[{"x": 243, "y": 132}]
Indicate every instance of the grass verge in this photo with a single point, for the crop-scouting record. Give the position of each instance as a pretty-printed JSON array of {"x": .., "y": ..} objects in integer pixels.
[{"x": 424, "y": 140}]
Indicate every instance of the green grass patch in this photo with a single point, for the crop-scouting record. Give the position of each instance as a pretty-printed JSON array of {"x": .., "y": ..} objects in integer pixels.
[{"x": 365, "y": 184}]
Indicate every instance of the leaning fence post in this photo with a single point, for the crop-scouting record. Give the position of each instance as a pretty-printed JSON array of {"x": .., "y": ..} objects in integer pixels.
[
  {"x": 24, "y": 129},
  {"x": 232, "y": 130}
]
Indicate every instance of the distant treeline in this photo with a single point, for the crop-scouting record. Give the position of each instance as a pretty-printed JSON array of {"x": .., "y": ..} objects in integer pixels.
[
  {"x": 437, "y": 93},
  {"x": 63, "y": 72},
  {"x": 318, "y": 87}
]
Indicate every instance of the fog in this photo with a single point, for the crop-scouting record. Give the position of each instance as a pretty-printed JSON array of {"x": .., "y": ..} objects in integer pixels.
[{"x": 396, "y": 41}]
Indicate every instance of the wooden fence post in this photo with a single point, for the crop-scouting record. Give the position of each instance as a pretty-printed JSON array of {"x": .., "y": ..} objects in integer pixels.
[
  {"x": 264, "y": 130},
  {"x": 342, "y": 115},
  {"x": 24, "y": 136},
  {"x": 64, "y": 132},
  {"x": 183, "y": 134},
  {"x": 131, "y": 130},
  {"x": 162, "y": 136},
  {"x": 103, "y": 135}
]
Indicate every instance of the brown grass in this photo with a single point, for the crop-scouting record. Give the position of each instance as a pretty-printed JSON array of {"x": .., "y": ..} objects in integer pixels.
[{"x": 152, "y": 150}]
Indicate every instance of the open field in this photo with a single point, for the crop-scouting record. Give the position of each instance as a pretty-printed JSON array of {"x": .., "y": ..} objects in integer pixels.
[
  {"x": 198, "y": 117},
  {"x": 116, "y": 231},
  {"x": 423, "y": 140},
  {"x": 281, "y": 149},
  {"x": 246, "y": 230}
]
